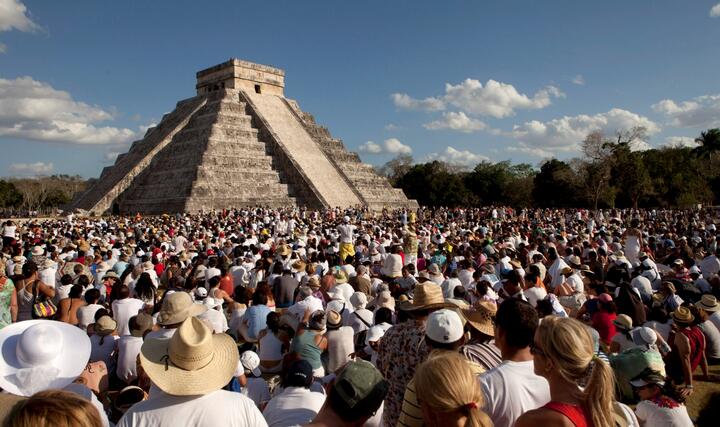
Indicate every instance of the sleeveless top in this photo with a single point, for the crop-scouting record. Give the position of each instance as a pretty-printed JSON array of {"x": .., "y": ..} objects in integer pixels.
[
  {"x": 304, "y": 345},
  {"x": 25, "y": 302},
  {"x": 695, "y": 336},
  {"x": 576, "y": 414},
  {"x": 6, "y": 290},
  {"x": 270, "y": 347}
]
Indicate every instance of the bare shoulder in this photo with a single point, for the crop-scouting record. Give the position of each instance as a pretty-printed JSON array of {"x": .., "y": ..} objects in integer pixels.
[{"x": 543, "y": 417}]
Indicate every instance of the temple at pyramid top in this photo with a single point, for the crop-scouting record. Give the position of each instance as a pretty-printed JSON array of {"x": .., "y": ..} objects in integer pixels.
[
  {"x": 237, "y": 143},
  {"x": 238, "y": 74}
]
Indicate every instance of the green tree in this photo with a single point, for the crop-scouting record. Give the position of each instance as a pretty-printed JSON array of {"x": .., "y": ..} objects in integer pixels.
[
  {"x": 10, "y": 197},
  {"x": 709, "y": 141},
  {"x": 556, "y": 185}
]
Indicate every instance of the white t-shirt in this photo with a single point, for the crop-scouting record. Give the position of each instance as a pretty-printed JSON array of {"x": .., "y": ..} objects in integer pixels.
[
  {"x": 653, "y": 415},
  {"x": 534, "y": 295},
  {"x": 256, "y": 390},
  {"x": 294, "y": 406},
  {"x": 511, "y": 389},
  {"x": 86, "y": 314},
  {"x": 217, "y": 319},
  {"x": 128, "y": 350},
  {"x": 103, "y": 351},
  {"x": 643, "y": 285},
  {"x": 123, "y": 310},
  {"x": 219, "y": 408}
]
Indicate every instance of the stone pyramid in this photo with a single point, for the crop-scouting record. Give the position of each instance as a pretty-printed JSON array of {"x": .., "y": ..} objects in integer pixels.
[{"x": 238, "y": 143}]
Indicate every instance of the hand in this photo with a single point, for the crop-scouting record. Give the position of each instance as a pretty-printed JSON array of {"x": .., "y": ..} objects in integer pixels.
[{"x": 686, "y": 391}]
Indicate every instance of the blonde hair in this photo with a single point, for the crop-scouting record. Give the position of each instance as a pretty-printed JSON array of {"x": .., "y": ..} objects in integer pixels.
[
  {"x": 447, "y": 384},
  {"x": 568, "y": 343},
  {"x": 54, "y": 408}
]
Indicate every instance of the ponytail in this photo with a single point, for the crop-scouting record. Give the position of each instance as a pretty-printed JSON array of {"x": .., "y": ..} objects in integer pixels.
[{"x": 599, "y": 393}]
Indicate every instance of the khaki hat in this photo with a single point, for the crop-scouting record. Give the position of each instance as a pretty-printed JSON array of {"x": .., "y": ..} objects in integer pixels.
[
  {"x": 340, "y": 276},
  {"x": 623, "y": 321},
  {"x": 426, "y": 296},
  {"x": 334, "y": 320},
  {"x": 143, "y": 323},
  {"x": 105, "y": 325},
  {"x": 314, "y": 283},
  {"x": 482, "y": 317},
  {"x": 298, "y": 266},
  {"x": 284, "y": 250},
  {"x": 708, "y": 303},
  {"x": 683, "y": 315},
  {"x": 177, "y": 307},
  {"x": 193, "y": 362}
]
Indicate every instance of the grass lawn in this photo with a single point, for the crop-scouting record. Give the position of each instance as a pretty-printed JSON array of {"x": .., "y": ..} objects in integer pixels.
[{"x": 703, "y": 390}]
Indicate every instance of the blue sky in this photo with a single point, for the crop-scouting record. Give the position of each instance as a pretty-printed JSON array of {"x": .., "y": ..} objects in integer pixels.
[{"x": 459, "y": 81}]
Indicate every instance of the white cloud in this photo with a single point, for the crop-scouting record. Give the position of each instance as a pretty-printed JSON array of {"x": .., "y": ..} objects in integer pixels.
[
  {"x": 680, "y": 141},
  {"x": 702, "y": 111},
  {"x": 457, "y": 157},
  {"x": 531, "y": 151},
  {"x": 389, "y": 146},
  {"x": 370, "y": 147},
  {"x": 13, "y": 15},
  {"x": 391, "y": 127},
  {"x": 715, "y": 11},
  {"x": 34, "y": 110},
  {"x": 495, "y": 99},
  {"x": 31, "y": 169},
  {"x": 458, "y": 122},
  {"x": 579, "y": 80},
  {"x": 406, "y": 102},
  {"x": 566, "y": 133}
]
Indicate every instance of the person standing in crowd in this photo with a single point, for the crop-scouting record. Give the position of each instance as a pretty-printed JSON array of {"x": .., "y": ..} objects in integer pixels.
[
  {"x": 296, "y": 404},
  {"x": 581, "y": 385},
  {"x": 355, "y": 394},
  {"x": 688, "y": 350},
  {"x": 449, "y": 392},
  {"x": 190, "y": 370},
  {"x": 402, "y": 349},
  {"x": 514, "y": 387}
]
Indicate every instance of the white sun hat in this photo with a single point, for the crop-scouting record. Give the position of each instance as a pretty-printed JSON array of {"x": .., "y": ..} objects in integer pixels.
[{"x": 39, "y": 355}]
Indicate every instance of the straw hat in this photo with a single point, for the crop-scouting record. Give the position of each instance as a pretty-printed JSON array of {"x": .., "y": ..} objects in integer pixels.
[
  {"x": 48, "y": 354},
  {"x": 340, "y": 276},
  {"x": 482, "y": 317},
  {"x": 105, "y": 325},
  {"x": 314, "y": 283},
  {"x": 37, "y": 251},
  {"x": 298, "y": 265},
  {"x": 334, "y": 320},
  {"x": 426, "y": 296},
  {"x": 683, "y": 315},
  {"x": 708, "y": 303},
  {"x": 284, "y": 250},
  {"x": 384, "y": 299},
  {"x": 574, "y": 261},
  {"x": 193, "y": 362},
  {"x": 623, "y": 321},
  {"x": 177, "y": 307}
]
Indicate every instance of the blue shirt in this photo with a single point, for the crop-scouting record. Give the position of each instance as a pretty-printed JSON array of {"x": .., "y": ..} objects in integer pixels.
[{"x": 257, "y": 319}]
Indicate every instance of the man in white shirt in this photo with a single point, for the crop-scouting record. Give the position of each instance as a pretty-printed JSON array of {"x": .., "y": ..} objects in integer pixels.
[
  {"x": 129, "y": 347},
  {"x": 512, "y": 388},
  {"x": 191, "y": 387},
  {"x": 124, "y": 308},
  {"x": 296, "y": 404}
]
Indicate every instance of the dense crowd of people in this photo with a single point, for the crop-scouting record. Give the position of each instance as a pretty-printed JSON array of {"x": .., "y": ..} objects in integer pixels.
[{"x": 435, "y": 317}]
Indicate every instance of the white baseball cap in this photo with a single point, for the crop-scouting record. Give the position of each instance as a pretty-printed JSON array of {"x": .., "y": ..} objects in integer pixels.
[
  {"x": 374, "y": 333},
  {"x": 444, "y": 326},
  {"x": 251, "y": 362}
]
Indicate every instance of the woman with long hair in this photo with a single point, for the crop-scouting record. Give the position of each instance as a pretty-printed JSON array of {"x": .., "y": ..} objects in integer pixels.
[
  {"x": 449, "y": 393},
  {"x": 581, "y": 385},
  {"x": 145, "y": 290}
]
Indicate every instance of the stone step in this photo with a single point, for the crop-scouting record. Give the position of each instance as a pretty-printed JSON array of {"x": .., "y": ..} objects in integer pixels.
[{"x": 237, "y": 163}]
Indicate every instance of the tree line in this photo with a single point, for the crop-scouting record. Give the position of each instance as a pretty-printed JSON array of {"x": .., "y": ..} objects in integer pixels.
[
  {"x": 39, "y": 194},
  {"x": 612, "y": 171}
]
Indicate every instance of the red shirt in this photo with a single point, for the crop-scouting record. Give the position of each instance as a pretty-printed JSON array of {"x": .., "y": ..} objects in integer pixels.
[
  {"x": 602, "y": 321},
  {"x": 226, "y": 284}
]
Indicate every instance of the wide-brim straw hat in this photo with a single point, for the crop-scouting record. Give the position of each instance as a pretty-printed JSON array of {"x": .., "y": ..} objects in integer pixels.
[
  {"x": 426, "y": 296},
  {"x": 333, "y": 320},
  {"x": 46, "y": 345},
  {"x": 193, "y": 362},
  {"x": 284, "y": 250},
  {"x": 482, "y": 317},
  {"x": 340, "y": 277},
  {"x": 708, "y": 303},
  {"x": 298, "y": 266},
  {"x": 623, "y": 321},
  {"x": 105, "y": 325},
  {"x": 683, "y": 315},
  {"x": 177, "y": 307}
]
